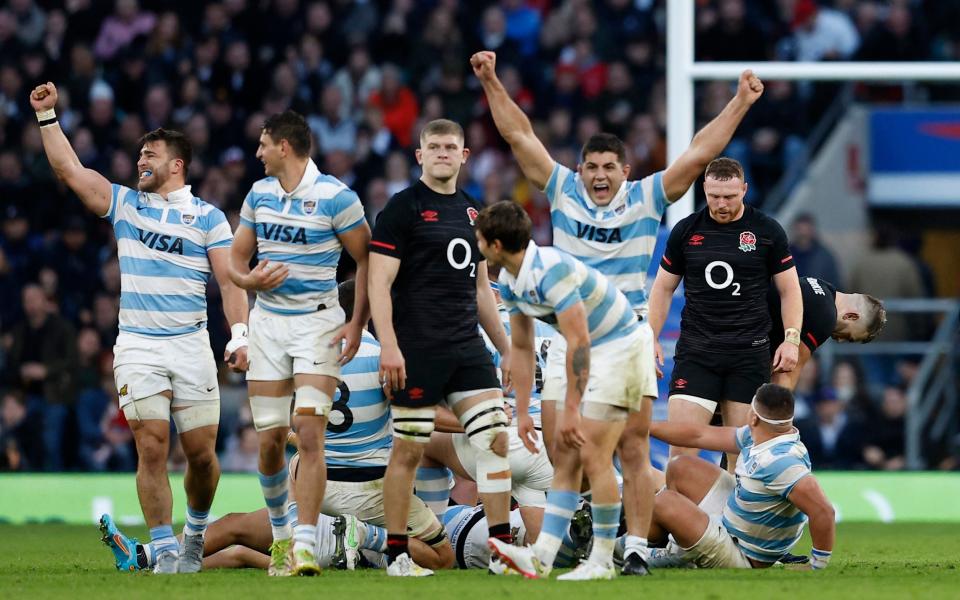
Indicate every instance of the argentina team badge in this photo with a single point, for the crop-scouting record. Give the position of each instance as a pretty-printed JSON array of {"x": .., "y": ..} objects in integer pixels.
[
  {"x": 309, "y": 207},
  {"x": 187, "y": 219},
  {"x": 748, "y": 241}
]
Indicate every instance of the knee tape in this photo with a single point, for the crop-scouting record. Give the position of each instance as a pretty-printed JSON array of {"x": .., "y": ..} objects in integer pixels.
[
  {"x": 270, "y": 412},
  {"x": 154, "y": 407},
  {"x": 311, "y": 402},
  {"x": 197, "y": 415},
  {"x": 483, "y": 423},
  {"x": 413, "y": 424}
]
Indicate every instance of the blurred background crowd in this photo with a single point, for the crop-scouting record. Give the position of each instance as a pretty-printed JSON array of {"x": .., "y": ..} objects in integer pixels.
[{"x": 367, "y": 74}]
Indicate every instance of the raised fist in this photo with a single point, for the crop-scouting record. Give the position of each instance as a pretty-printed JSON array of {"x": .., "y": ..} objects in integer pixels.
[{"x": 43, "y": 97}]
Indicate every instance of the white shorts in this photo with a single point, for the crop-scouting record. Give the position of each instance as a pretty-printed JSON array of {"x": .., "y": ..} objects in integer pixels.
[
  {"x": 469, "y": 533},
  {"x": 364, "y": 500},
  {"x": 717, "y": 549},
  {"x": 716, "y": 499},
  {"x": 622, "y": 372},
  {"x": 145, "y": 366},
  {"x": 531, "y": 474},
  {"x": 283, "y": 345}
]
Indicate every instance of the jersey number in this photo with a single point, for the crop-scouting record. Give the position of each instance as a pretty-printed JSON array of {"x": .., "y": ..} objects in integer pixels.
[
  {"x": 727, "y": 277},
  {"x": 341, "y": 417},
  {"x": 467, "y": 256}
]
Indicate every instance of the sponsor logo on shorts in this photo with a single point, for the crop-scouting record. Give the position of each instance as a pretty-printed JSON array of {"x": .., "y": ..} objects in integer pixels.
[
  {"x": 124, "y": 390},
  {"x": 472, "y": 214},
  {"x": 680, "y": 384},
  {"x": 186, "y": 219},
  {"x": 309, "y": 207},
  {"x": 415, "y": 393},
  {"x": 430, "y": 216},
  {"x": 748, "y": 241},
  {"x": 696, "y": 240}
]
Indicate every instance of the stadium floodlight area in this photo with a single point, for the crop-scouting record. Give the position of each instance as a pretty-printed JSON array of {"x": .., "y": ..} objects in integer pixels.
[{"x": 683, "y": 72}]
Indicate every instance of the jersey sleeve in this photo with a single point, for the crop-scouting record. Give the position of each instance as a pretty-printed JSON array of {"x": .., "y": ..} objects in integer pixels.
[
  {"x": 744, "y": 439},
  {"x": 779, "y": 259},
  {"x": 119, "y": 195},
  {"x": 559, "y": 288},
  {"x": 219, "y": 234},
  {"x": 651, "y": 187},
  {"x": 559, "y": 177},
  {"x": 248, "y": 216},
  {"x": 819, "y": 314},
  {"x": 392, "y": 229},
  {"x": 783, "y": 473},
  {"x": 673, "y": 260},
  {"x": 347, "y": 211},
  {"x": 508, "y": 299}
]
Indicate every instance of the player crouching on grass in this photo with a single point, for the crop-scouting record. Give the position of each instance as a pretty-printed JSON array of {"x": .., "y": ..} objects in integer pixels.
[{"x": 716, "y": 520}]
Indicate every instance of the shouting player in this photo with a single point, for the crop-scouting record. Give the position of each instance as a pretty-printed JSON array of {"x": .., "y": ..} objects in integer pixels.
[
  {"x": 297, "y": 220},
  {"x": 168, "y": 241},
  {"x": 428, "y": 291},
  {"x": 726, "y": 253},
  {"x": 611, "y": 224}
]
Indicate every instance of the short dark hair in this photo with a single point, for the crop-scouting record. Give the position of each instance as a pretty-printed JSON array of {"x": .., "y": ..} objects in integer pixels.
[
  {"x": 178, "y": 146},
  {"x": 604, "y": 142},
  {"x": 875, "y": 317},
  {"x": 508, "y": 222},
  {"x": 776, "y": 401},
  {"x": 724, "y": 168},
  {"x": 291, "y": 126},
  {"x": 346, "y": 292},
  {"x": 441, "y": 127}
]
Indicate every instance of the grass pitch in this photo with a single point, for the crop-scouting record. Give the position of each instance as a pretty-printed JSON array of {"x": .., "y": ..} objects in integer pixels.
[{"x": 870, "y": 561}]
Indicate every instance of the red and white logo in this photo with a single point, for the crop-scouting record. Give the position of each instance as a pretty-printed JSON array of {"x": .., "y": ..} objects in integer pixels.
[
  {"x": 472, "y": 214},
  {"x": 748, "y": 241},
  {"x": 430, "y": 216},
  {"x": 680, "y": 384},
  {"x": 696, "y": 240}
]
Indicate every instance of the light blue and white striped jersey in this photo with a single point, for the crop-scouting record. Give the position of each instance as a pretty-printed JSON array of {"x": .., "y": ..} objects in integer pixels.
[
  {"x": 164, "y": 267},
  {"x": 551, "y": 281},
  {"x": 542, "y": 336},
  {"x": 300, "y": 230},
  {"x": 618, "y": 239},
  {"x": 758, "y": 513},
  {"x": 358, "y": 431}
]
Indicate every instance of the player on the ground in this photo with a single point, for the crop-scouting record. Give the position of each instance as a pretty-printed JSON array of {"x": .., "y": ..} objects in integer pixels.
[
  {"x": 297, "y": 220},
  {"x": 605, "y": 340},
  {"x": 726, "y": 254},
  {"x": 168, "y": 241},
  {"x": 827, "y": 314},
  {"x": 429, "y": 289},
  {"x": 611, "y": 224},
  {"x": 755, "y": 518}
]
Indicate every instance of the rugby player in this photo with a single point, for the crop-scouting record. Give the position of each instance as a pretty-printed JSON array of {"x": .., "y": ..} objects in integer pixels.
[
  {"x": 297, "y": 220},
  {"x": 168, "y": 241},
  {"x": 611, "y": 224}
]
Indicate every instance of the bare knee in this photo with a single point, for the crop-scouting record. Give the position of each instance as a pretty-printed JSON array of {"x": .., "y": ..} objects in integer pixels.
[
  {"x": 152, "y": 450},
  {"x": 678, "y": 469},
  {"x": 204, "y": 460}
]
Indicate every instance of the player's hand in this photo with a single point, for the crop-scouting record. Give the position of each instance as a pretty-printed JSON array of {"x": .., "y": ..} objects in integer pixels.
[
  {"x": 393, "y": 370},
  {"x": 570, "y": 428},
  {"x": 43, "y": 97},
  {"x": 658, "y": 358},
  {"x": 348, "y": 338},
  {"x": 484, "y": 65},
  {"x": 237, "y": 360},
  {"x": 267, "y": 275},
  {"x": 786, "y": 358},
  {"x": 506, "y": 378},
  {"x": 750, "y": 88},
  {"x": 527, "y": 433},
  {"x": 508, "y": 410}
]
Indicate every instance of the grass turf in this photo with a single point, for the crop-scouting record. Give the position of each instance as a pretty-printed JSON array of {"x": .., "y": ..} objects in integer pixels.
[{"x": 871, "y": 561}]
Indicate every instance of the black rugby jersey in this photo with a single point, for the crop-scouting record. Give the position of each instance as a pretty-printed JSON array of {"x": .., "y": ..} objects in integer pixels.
[
  {"x": 726, "y": 269},
  {"x": 435, "y": 292},
  {"x": 819, "y": 313}
]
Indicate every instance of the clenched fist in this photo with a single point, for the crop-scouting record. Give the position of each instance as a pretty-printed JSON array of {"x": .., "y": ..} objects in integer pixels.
[
  {"x": 750, "y": 87},
  {"x": 484, "y": 65},
  {"x": 43, "y": 97}
]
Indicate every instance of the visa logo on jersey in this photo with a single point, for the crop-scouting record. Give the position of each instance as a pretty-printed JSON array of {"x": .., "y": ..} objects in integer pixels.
[
  {"x": 598, "y": 234},
  {"x": 161, "y": 242},
  {"x": 282, "y": 233}
]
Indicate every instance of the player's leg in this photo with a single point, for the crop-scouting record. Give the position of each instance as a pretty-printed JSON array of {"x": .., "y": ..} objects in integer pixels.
[
  {"x": 200, "y": 482},
  {"x": 245, "y": 529},
  {"x": 680, "y": 516},
  {"x": 639, "y": 486},
  {"x": 554, "y": 390},
  {"x": 692, "y": 477},
  {"x": 440, "y": 461},
  {"x": 237, "y": 557},
  {"x": 702, "y": 539},
  {"x": 744, "y": 374},
  {"x": 695, "y": 389}
]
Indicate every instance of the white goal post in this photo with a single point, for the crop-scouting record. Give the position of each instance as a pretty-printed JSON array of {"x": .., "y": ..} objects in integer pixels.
[{"x": 683, "y": 72}]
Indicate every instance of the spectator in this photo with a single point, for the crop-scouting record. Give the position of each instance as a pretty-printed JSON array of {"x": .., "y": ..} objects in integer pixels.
[
  {"x": 523, "y": 26},
  {"x": 822, "y": 33},
  {"x": 728, "y": 34},
  {"x": 833, "y": 436},
  {"x": 106, "y": 442},
  {"x": 42, "y": 362},
  {"x": 885, "y": 442},
  {"x": 19, "y": 448},
  {"x": 399, "y": 105},
  {"x": 813, "y": 259},
  {"x": 243, "y": 451},
  {"x": 333, "y": 129},
  {"x": 356, "y": 81},
  {"x": 122, "y": 27},
  {"x": 897, "y": 38}
]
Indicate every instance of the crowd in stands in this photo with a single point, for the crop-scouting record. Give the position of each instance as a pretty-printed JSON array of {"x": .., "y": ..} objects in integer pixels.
[{"x": 367, "y": 74}]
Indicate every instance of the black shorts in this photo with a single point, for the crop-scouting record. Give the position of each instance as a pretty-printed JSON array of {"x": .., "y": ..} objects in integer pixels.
[
  {"x": 434, "y": 374},
  {"x": 718, "y": 376}
]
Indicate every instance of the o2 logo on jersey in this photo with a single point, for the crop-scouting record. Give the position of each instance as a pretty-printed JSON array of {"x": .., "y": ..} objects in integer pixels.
[
  {"x": 727, "y": 276},
  {"x": 309, "y": 207},
  {"x": 472, "y": 214},
  {"x": 467, "y": 256},
  {"x": 748, "y": 241}
]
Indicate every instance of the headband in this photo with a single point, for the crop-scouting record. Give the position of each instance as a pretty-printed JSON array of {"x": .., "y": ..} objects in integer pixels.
[{"x": 753, "y": 405}]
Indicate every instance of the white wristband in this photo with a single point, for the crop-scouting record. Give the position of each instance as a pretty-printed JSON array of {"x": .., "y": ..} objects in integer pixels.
[{"x": 238, "y": 331}]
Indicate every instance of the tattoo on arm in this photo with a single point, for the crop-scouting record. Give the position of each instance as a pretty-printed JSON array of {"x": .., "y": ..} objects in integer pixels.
[{"x": 581, "y": 367}]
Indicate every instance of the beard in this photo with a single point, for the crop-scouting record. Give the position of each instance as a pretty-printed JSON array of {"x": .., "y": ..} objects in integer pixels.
[{"x": 153, "y": 183}]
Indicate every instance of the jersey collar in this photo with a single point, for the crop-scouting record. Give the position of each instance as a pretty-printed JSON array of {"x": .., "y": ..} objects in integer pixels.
[
  {"x": 618, "y": 198},
  {"x": 527, "y": 265},
  {"x": 310, "y": 175},
  {"x": 181, "y": 196},
  {"x": 792, "y": 437}
]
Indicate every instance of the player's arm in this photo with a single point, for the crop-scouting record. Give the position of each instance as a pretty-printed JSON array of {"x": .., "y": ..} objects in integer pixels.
[
  {"x": 789, "y": 379},
  {"x": 712, "y": 139},
  {"x": 524, "y": 355},
  {"x": 93, "y": 188},
  {"x": 696, "y": 435},
  {"x": 489, "y": 318},
  {"x": 382, "y": 273},
  {"x": 356, "y": 242},
  {"x": 572, "y": 323},
  {"x": 791, "y": 310},
  {"x": 235, "y": 308},
  {"x": 514, "y": 126},
  {"x": 808, "y": 496},
  {"x": 265, "y": 276},
  {"x": 661, "y": 296}
]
